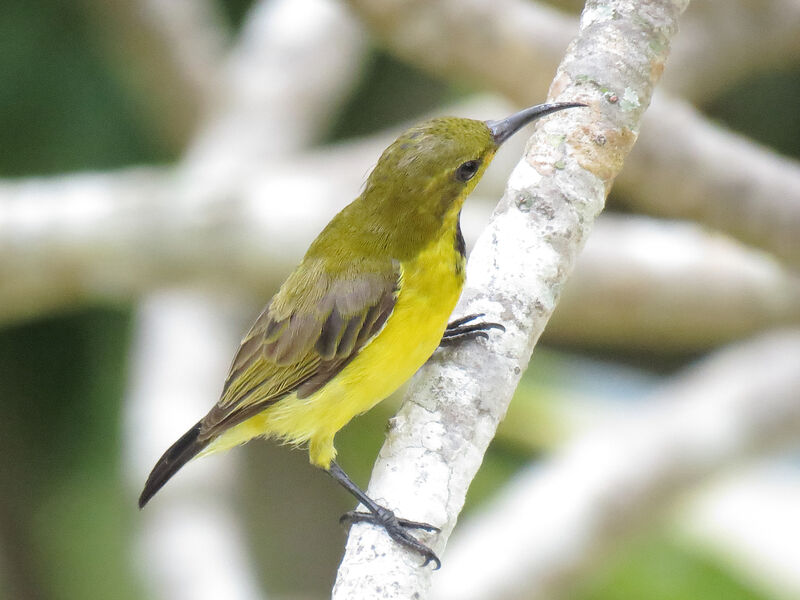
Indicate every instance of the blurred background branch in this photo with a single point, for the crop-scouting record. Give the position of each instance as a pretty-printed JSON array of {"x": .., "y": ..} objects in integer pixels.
[{"x": 180, "y": 352}]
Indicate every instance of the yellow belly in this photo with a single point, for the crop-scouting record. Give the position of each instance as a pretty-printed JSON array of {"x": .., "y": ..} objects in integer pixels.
[{"x": 430, "y": 288}]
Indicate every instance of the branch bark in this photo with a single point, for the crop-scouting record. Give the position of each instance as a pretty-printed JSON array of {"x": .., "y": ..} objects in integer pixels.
[{"x": 515, "y": 273}]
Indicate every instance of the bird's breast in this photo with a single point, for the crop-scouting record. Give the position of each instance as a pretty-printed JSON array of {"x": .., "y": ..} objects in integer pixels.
[
  {"x": 430, "y": 287},
  {"x": 432, "y": 281}
]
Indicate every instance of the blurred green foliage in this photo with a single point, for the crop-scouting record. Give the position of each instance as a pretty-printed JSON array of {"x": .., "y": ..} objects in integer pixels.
[
  {"x": 66, "y": 515},
  {"x": 61, "y": 109},
  {"x": 235, "y": 11},
  {"x": 389, "y": 93},
  {"x": 64, "y": 518},
  {"x": 764, "y": 107}
]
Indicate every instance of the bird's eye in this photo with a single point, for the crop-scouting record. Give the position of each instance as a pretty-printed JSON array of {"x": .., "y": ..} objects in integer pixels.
[{"x": 467, "y": 170}]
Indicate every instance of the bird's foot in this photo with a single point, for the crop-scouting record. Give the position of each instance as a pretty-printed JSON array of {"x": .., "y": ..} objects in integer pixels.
[
  {"x": 397, "y": 530},
  {"x": 460, "y": 330}
]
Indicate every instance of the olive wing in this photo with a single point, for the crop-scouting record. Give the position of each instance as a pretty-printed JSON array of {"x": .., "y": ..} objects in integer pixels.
[{"x": 313, "y": 327}]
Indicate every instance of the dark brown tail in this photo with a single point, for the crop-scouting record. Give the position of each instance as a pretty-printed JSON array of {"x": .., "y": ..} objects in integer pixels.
[{"x": 181, "y": 452}]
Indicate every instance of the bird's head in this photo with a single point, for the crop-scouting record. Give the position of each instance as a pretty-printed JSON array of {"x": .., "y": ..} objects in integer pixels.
[{"x": 426, "y": 174}]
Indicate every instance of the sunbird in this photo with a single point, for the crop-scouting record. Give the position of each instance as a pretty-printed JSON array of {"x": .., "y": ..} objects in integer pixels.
[{"x": 365, "y": 308}]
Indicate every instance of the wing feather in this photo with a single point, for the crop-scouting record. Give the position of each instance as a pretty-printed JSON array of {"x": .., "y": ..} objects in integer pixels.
[{"x": 313, "y": 327}]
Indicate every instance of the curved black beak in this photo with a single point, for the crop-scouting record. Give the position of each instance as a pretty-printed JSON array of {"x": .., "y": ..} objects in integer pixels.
[{"x": 505, "y": 128}]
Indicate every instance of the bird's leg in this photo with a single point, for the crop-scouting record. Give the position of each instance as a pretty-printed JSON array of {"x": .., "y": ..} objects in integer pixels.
[
  {"x": 379, "y": 515},
  {"x": 459, "y": 330}
]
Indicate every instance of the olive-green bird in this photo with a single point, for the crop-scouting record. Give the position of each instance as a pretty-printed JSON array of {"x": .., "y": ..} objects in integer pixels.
[{"x": 366, "y": 307}]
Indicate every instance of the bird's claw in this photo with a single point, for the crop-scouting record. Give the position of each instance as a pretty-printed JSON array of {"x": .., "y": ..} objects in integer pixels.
[
  {"x": 396, "y": 528},
  {"x": 458, "y": 330},
  {"x": 356, "y": 516}
]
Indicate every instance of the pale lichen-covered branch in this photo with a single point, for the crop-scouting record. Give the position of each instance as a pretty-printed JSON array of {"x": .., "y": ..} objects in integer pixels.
[{"x": 515, "y": 274}]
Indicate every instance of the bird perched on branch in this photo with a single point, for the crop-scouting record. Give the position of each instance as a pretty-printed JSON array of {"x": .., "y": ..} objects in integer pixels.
[{"x": 364, "y": 309}]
